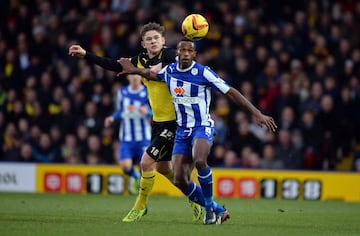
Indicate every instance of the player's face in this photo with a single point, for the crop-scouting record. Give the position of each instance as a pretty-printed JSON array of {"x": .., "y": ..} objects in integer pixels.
[
  {"x": 186, "y": 52},
  {"x": 153, "y": 42}
]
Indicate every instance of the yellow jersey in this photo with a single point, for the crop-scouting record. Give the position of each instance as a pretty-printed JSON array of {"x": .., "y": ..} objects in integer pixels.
[{"x": 159, "y": 95}]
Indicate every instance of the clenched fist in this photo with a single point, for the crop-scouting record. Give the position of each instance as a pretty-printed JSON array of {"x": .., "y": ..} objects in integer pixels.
[{"x": 77, "y": 51}]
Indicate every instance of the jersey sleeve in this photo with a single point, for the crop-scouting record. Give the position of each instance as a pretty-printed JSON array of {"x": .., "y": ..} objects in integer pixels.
[
  {"x": 215, "y": 81},
  {"x": 134, "y": 60},
  {"x": 104, "y": 62},
  {"x": 107, "y": 63},
  {"x": 162, "y": 73}
]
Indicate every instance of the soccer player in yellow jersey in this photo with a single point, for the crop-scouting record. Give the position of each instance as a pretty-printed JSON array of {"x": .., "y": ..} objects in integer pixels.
[{"x": 158, "y": 154}]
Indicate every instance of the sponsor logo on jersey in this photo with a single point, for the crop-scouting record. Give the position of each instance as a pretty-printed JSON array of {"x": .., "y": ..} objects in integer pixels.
[
  {"x": 179, "y": 90},
  {"x": 186, "y": 100}
]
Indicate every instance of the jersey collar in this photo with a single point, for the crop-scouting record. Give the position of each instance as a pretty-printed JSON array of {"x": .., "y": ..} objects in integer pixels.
[{"x": 186, "y": 69}]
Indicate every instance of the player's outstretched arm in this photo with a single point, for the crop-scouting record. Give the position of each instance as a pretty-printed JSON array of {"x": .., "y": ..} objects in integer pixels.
[
  {"x": 129, "y": 68},
  {"x": 106, "y": 63},
  {"x": 260, "y": 118}
]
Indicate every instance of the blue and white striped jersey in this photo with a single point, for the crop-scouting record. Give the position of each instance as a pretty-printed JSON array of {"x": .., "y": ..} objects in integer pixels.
[
  {"x": 191, "y": 92},
  {"x": 134, "y": 125}
]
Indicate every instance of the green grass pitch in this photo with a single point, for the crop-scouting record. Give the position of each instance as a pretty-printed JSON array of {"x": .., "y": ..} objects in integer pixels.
[{"x": 66, "y": 214}]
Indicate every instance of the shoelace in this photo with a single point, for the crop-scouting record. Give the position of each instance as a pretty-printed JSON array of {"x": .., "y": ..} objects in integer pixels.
[{"x": 133, "y": 213}]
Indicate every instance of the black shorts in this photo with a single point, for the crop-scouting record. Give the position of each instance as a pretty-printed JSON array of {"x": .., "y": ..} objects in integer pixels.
[{"x": 162, "y": 140}]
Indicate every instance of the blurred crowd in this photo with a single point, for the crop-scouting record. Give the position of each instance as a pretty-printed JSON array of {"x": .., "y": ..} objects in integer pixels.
[{"x": 298, "y": 61}]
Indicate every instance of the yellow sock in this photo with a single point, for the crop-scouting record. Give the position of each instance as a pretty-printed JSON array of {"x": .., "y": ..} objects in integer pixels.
[
  {"x": 170, "y": 176},
  {"x": 147, "y": 181}
]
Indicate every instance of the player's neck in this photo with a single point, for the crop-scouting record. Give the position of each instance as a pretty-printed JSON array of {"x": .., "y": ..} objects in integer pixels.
[
  {"x": 135, "y": 87},
  {"x": 153, "y": 54}
]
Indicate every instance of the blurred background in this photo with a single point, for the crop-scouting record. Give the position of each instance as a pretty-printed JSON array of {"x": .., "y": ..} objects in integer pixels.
[{"x": 298, "y": 61}]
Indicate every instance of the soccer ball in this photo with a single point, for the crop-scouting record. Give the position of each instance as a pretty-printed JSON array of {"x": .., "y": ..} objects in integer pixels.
[{"x": 195, "y": 27}]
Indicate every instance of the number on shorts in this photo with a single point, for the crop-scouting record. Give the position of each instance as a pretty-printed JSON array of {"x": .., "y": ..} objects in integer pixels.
[{"x": 154, "y": 151}]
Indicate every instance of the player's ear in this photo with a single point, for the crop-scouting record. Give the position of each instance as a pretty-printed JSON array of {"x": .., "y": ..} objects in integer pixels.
[
  {"x": 142, "y": 44},
  {"x": 163, "y": 40}
]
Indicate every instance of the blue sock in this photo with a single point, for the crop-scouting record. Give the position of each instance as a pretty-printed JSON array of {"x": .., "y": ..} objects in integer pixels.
[
  {"x": 133, "y": 173},
  {"x": 218, "y": 208},
  {"x": 195, "y": 194},
  {"x": 206, "y": 182}
]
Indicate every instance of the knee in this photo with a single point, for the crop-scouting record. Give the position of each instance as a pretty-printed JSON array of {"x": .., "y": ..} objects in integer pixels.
[
  {"x": 146, "y": 167},
  {"x": 147, "y": 164},
  {"x": 125, "y": 166}
]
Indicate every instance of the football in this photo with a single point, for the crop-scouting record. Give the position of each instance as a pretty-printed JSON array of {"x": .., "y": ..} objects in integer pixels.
[{"x": 195, "y": 27}]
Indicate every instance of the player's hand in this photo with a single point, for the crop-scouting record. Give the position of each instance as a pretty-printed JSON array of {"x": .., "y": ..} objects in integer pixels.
[
  {"x": 108, "y": 121},
  {"x": 77, "y": 51},
  {"x": 156, "y": 68},
  {"x": 143, "y": 110},
  {"x": 127, "y": 66},
  {"x": 266, "y": 120}
]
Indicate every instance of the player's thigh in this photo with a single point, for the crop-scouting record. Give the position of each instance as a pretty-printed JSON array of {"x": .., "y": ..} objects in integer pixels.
[
  {"x": 202, "y": 141},
  {"x": 201, "y": 148}
]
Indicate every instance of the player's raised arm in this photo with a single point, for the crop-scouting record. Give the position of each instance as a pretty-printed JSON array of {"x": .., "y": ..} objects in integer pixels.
[
  {"x": 106, "y": 63},
  {"x": 129, "y": 68},
  {"x": 260, "y": 118}
]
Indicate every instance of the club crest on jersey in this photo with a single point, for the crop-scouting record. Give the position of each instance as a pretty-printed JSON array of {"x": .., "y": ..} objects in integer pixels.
[
  {"x": 194, "y": 71},
  {"x": 142, "y": 94},
  {"x": 179, "y": 90}
]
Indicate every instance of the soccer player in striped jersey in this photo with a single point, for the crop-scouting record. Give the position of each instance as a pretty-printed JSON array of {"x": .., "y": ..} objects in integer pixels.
[
  {"x": 158, "y": 154},
  {"x": 190, "y": 85},
  {"x": 133, "y": 111}
]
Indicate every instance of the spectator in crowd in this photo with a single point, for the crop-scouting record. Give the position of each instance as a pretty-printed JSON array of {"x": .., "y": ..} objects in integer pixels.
[
  {"x": 243, "y": 137},
  {"x": 287, "y": 118},
  {"x": 13, "y": 152},
  {"x": 313, "y": 101},
  {"x": 231, "y": 160},
  {"x": 91, "y": 119},
  {"x": 44, "y": 152},
  {"x": 26, "y": 153},
  {"x": 74, "y": 159},
  {"x": 66, "y": 117},
  {"x": 216, "y": 156},
  {"x": 69, "y": 148},
  {"x": 94, "y": 146},
  {"x": 286, "y": 152},
  {"x": 268, "y": 160}
]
